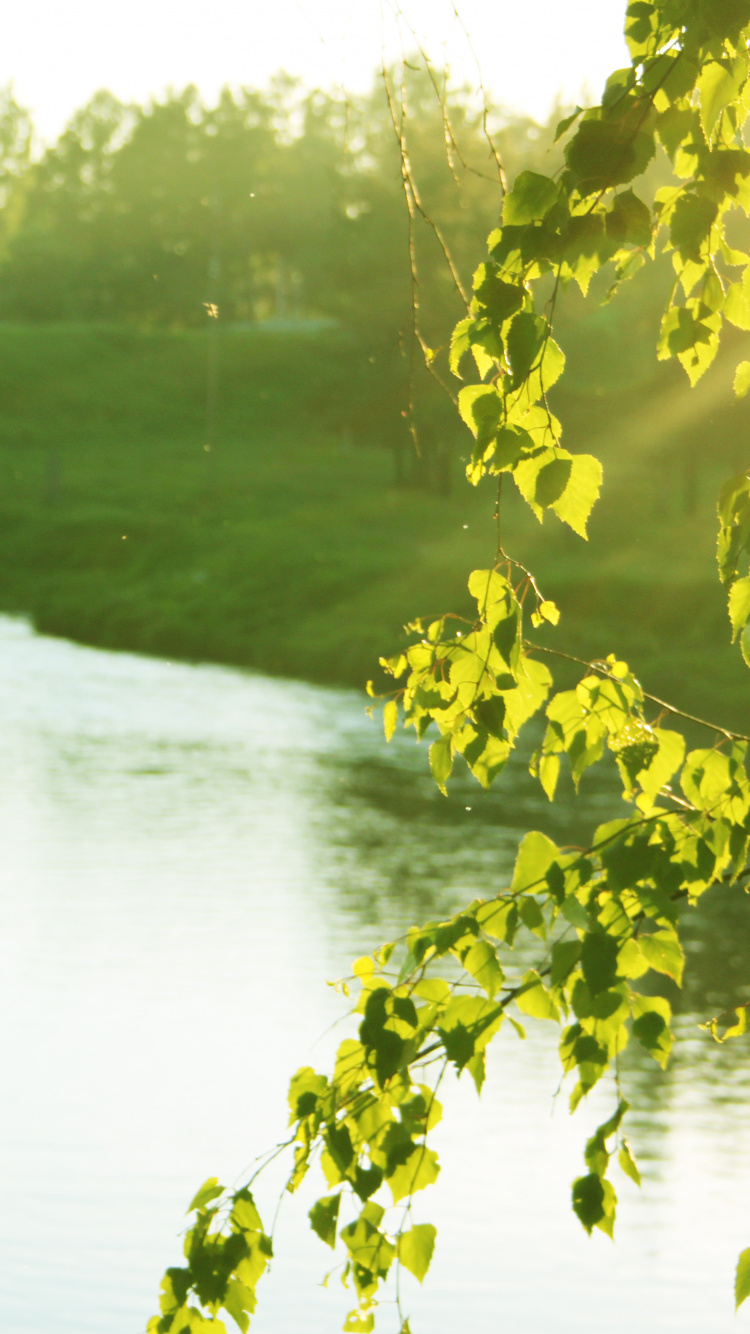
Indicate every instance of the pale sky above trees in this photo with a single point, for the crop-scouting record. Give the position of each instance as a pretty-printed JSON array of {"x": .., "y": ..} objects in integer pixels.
[{"x": 58, "y": 55}]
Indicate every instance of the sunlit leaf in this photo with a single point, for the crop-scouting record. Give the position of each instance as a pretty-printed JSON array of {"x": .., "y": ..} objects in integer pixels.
[
  {"x": 581, "y": 492},
  {"x": 415, "y": 1249},
  {"x": 531, "y": 198},
  {"x": 534, "y": 999},
  {"x": 210, "y": 1190},
  {"x": 718, "y": 85},
  {"x": 742, "y": 377},
  {"x": 739, "y": 604},
  {"x": 441, "y": 761},
  {"x": 663, "y": 952},
  {"x": 535, "y": 855},
  {"x": 742, "y": 1279},
  {"x": 651, "y": 1026},
  {"x": 324, "y": 1217},
  {"x": 628, "y": 1164},
  {"x": 481, "y": 961},
  {"x": 419, "y": 1170},
  {"x": 390, "y": 718}
]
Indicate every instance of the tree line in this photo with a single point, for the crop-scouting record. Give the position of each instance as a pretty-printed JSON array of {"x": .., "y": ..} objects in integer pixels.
[{"x": 278, "y": 203}]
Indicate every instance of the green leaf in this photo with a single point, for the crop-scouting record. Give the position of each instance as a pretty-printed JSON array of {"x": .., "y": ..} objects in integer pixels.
[
  {"x": 742, "y": 379},
  {"x": 460, "y": 344},
  {"x": 603, "y": 153},
  {"x": 534, "y": 999},
  {"x": 210, "y": 1190},
  {"x": 630, "y": 961},
  {"x": 599, "y": 961},
  {"x": 387, "y": 1047},
  {"x": 486, "y": 757},
  {"x": 369, "y": 1247},
  {"x": 324, "y": 1218},
  {"x": 634, "y": 746},
  {"x": 466, "y": 1026},
  {"x": 565, "y": 956},
  {"x": 705, "y": 778},
  {"x": 739, "y": 604},
  {"x": 240, "y": 1301},
  {"x": 628, "y": 1164},
  {"x": 511, "y": 444},
  {"x": 305, "y": 1090},
  {"x": 499, "y": 918},
  {"x": 663, "y": 952},
  {"x": 531, "y": 198},
  {"x": 415, "y": 1249},
  {"x": 531, "y": 915},
  {"x": 594, "y": 1201},
  {"x": 499, "y": 298},
  {"x": 535, "y": 856},
  {"x": 735, "y": 1030},
  {"x": 537, "y": 364},
  {"x": 651, "y": 1026},
  {"x": 665, "y": 763},
  {"x": 581, "y": 492},
  {"x": 742, "y": 1279},
  {"x": 692, "y": 219},
  {"x": 481, "y": 962},
  {"x": 480, "y": 406},
  {"x": 564, "y": 125},
  {"x": 441, "y": 761},
  {"x": 618, "y": 84},
  {"x": 420, "y": 1169},
  {"x": 629, "y": 220},
  {"x": 490, "y": 715},
  {"x": 548, "y": 769},
  {"x": 359, "y": 1322},
  {"x": 640, "y": 21},
  {"x": 477, "y": 1069},
  {"x": 244, "y": 1213},
  {"x": 588, "y": 1200},
  {"x": 736, "y": 309},
  {"x": 390, "y": 718},
  {"x": 552, "y": 480},
  {"x": 493, "y": 594},
  {"x": 526, "y": 339},
  {"x": 366, "y": 1181},
  {"x": 718, "y": 85},
  {"x": 596, "y": 1154}
]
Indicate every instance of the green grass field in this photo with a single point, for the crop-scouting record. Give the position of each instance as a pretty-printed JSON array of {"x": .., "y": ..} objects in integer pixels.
[{"x": 290, "y": 548}]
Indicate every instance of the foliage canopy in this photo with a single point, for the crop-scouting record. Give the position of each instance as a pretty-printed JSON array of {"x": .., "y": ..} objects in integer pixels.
[{"x": 605, "y": 918}]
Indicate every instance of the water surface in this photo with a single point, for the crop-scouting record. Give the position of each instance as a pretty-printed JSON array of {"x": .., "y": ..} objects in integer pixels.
[{"x": 187, "y": 854}]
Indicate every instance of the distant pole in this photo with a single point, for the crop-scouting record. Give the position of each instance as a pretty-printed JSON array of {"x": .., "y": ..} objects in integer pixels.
[
  {"x": 212, "y": 356},
  {"x": 212, "y": 311}
]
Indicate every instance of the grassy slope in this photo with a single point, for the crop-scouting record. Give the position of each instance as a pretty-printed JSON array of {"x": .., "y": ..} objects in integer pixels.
[{"x": 290, "y": 549}]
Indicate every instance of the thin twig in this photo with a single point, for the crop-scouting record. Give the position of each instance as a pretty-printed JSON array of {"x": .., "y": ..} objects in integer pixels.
[{"x": 598, "y": 666}]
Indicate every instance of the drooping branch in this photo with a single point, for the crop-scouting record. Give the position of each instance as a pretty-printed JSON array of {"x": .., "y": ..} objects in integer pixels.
[{"x": 608, "y": 915}]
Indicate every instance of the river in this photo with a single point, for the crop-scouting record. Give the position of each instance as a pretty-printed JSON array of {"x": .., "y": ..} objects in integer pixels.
[{"x": 187, "y": 855}]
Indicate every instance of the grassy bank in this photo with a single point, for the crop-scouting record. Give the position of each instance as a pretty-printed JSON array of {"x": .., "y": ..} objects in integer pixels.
[{"x": 290, "y": 546}]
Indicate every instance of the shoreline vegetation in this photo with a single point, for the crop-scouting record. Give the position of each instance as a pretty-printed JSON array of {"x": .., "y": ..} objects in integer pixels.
[{"x": 119, "y": 529}]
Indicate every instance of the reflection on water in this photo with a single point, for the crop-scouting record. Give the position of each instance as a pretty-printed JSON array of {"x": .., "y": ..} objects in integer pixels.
[{"x": 186, "y": 854}]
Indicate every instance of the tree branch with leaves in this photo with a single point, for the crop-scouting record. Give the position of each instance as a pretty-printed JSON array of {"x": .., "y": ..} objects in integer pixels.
[{"x": 601, "y": 920}]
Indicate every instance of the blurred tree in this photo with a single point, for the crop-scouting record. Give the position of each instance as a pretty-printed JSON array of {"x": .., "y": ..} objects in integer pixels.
[
  {"x": 276, "y": 204},
  {"x": 301, "y": 193},
  {"x": 15, "y": 158}
]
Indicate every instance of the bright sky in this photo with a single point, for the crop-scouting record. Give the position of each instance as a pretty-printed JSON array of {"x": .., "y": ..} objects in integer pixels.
[{"x": 58, "y": 54}]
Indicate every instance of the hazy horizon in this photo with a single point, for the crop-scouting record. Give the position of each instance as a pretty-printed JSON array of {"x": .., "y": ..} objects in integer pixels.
[{"x": 529, "y": 55}]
